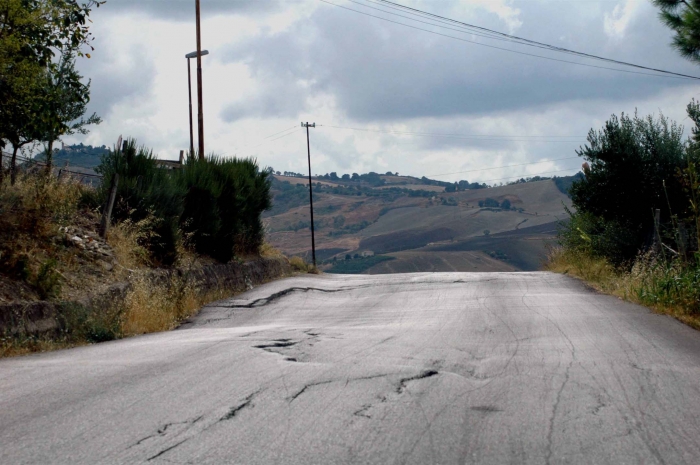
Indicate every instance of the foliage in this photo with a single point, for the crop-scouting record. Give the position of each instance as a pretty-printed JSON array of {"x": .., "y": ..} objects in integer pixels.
[
  {"x": 38, "y": 29},
  {"x": 143, "y": 191},
  {"x": 47, "y": 280},
  {"x": 357, "y": 265},
  {"x": 489, "y": 203},
  {"x": 224, "y": 199},
  {"x": 31, "y": 211},
  {"x": 683, "y": 17},
  {"x": 670, "y": 287},
  {"x": 64, "y": 100},
  {"x": 32, "y": 32},
  {"x": 633, "y": 168},
  {"x": 564, "y": 183}
]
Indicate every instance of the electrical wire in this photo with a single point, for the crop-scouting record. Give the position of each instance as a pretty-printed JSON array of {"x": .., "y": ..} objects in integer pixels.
[
  {"x": 499, "y": 167},
  {"x": 530, "y": 175},
  {"x": 502, "y": 36},
  {"x": 462, "y": 136},
  {"x": 669, "y": 74},
  {"x": 271, "y": 140}
]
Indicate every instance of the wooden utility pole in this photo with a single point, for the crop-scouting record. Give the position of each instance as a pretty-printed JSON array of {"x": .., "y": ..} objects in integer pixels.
[
  {"x": 107, "y": 212},
  {"x": 189, "y": 87},
  {"x": 200, "y": 115},
  {"x": 311, "y": 196}
]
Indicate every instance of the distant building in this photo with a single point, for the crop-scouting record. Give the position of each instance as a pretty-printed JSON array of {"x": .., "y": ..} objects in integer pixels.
[{"x": 172, "y": 164}]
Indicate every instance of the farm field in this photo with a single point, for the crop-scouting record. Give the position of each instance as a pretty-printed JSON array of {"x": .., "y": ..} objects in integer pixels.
[{"x": 419, "y": 227}]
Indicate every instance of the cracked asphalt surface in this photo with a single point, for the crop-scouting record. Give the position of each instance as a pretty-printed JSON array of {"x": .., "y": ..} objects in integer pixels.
[{"x": 447, "y": 368}]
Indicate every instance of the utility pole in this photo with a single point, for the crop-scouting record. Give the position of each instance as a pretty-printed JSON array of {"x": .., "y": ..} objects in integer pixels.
[
  {"x": 189, "y": 87},
  {"x": 200, "y": 116},
  {"x": 189, "y": 56},
  {"x": 311, "y": 196}
]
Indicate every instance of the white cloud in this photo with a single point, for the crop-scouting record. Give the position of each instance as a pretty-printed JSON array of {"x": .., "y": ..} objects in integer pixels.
[
  {"x": 617, "y": 21},
  {"x": 271, "y": 68}
]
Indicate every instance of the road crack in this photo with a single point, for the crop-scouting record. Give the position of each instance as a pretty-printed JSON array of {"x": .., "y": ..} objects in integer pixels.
[
  {"x": 233, "y": 411},
  {"x": 425, "y": 374},
  {"x": 278, "y": 295}
]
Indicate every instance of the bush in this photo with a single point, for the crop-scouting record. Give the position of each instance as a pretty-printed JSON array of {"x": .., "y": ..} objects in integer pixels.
[
  {"x": 223, "y": 202},
  {"x": 217, "y": 203},
  {"x": 144, "y": 191},
  {"x": 633, "y": 164},
  {"x": 47, "y": 280}
]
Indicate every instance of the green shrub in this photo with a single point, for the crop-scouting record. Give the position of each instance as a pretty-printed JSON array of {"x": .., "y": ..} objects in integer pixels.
[
  {"x": 93, "y": 324},
  {"x": 145, "y": 190},
  {"x": 47, "y": 280},
  {"x": 223, "y": 202}
]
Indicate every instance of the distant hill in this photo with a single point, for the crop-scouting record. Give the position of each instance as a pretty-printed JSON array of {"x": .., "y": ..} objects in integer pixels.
[
  {"x": 405, "y": 223},
  {"x": 78, "y": 155}
]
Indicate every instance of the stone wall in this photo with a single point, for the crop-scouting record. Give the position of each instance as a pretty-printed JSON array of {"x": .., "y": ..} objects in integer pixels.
[{"x": 38, "y": 318}]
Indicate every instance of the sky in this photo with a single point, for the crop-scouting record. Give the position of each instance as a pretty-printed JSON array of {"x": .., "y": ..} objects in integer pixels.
[{"x": 384, "y": 96}]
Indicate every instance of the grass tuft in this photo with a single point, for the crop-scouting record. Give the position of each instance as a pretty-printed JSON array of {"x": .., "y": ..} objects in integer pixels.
[{"x": 670, "y": 288}]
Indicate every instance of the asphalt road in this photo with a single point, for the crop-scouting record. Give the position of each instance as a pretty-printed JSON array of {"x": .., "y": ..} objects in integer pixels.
[{"x": 415, "y": 368}]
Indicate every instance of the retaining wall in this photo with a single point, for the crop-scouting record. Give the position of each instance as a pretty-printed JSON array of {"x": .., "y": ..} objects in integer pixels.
[{"x": 41, "y": 317}]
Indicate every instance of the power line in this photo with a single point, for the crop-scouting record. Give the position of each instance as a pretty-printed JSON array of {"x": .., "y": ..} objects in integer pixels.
[
  {"x": 462, "y": 136},
  {"x": 669, "y": 74},
  {"x": 499, "y": 167},
  {"x": 272, "y": 140},
  {"x": 522, "y": 40},
  {"x": 530, "y": 175}
]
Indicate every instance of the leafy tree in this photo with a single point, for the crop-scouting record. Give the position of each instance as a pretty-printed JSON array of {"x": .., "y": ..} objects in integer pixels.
[
  {"x": 32, "y": 32},
  {"x": 683, "y": 17},
  {"x": 633, "y": 170},
  {"x": 18, "y": 108},
  {"x": 63, "y": 105},
  {"x": 505, "y": 204}
]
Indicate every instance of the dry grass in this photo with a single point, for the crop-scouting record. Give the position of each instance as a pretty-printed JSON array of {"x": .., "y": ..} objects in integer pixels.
[
  {"x": 151, "y": 307},
  {"x": 31, "y": 213},
  {"x": 298, "y": 264},
  {"x": 268, "y": 251},
  {"x": 639, "y": 285},
  {"x": 126, "y": 238},
  {"x": 13, "y": 347}
]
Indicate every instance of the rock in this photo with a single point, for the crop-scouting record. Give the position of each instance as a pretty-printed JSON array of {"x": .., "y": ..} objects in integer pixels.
[{"x": 107, "y": 266}]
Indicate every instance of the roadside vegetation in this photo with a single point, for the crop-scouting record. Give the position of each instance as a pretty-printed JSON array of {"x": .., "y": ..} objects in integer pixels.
[
  {"x": 634, "y": 231},
  {"x": 50, "y": 248},
  {"x": 356, "y": 264}
]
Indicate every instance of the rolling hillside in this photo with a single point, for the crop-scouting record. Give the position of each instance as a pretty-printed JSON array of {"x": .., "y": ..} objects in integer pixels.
[{"x": 415, "y": 226}]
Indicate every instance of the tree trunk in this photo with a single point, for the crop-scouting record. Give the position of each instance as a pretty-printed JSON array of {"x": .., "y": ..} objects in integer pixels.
[
  {"x": 13, "y": 165},
  {"x": 49, "y": 158}
]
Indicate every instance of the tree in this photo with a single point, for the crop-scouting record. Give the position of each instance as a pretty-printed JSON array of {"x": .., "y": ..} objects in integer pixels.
[
  {"x": 505, "y": 204},
  {"x": 63, "y": 105},
  {"x": 683, "y": 17},
  {"x": 18, "y": 108},
  {"x": 633, "y": 170},
  {"x": 32, "y": 32}
]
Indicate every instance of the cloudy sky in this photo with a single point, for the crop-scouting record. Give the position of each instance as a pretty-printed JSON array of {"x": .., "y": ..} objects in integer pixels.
[{"x": 275, "y": 63}]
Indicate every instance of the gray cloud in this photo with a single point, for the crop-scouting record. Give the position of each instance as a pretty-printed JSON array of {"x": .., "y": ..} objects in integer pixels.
[
  {"x": 378, "y": 71},
  {"x": 183, "y": 10}
]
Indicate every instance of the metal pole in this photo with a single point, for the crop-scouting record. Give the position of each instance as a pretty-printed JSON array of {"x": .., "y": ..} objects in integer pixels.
[
  {"x": 189, "y": 86},
  {"x": 311, "y": 196},
  {"x": 200, "y": 115}
]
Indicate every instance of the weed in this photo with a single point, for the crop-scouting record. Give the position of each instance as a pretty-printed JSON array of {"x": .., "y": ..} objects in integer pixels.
[
  {"x": 672, "y": 288},
  {"x": 298, "y": 264},
  {"x": 47, "y": 280}
]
